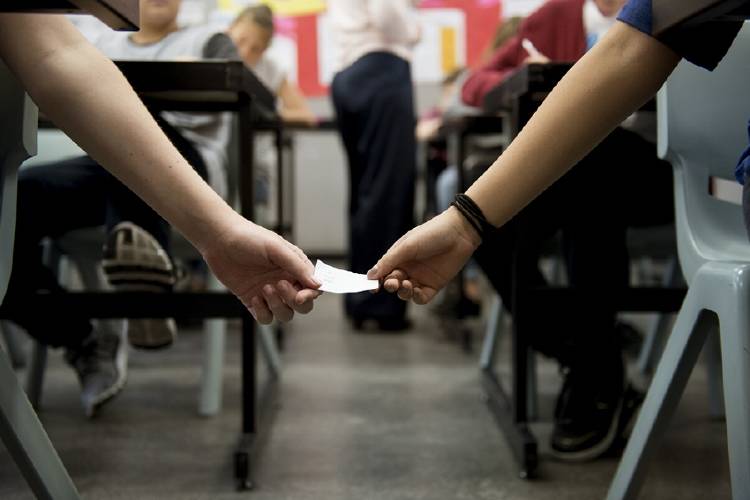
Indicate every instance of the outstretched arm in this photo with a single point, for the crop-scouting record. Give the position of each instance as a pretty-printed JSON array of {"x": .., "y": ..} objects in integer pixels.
[
  {"x": 621, "y": 73},
  {"x": 617, "y": 76},
  {"x": 88, "y": 98},
  {"x": 294, "y": 107}
]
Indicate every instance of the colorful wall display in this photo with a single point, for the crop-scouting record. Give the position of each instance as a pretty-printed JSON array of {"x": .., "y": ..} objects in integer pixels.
[{"x": 454, "y": 33}]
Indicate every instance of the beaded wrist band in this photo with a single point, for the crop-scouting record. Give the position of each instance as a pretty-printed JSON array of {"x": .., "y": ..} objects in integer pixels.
[{"x": 473, "y": 214}]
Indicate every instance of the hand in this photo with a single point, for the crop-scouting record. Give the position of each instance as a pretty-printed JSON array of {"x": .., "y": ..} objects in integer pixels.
[
  {"x": 536, "y": 59},
  {"x": 427, "y": 257},
  {"x": 272, "y": 277}
]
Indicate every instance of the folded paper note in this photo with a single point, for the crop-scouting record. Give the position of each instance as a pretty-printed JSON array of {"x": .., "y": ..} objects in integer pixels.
[{"x": 339, "y": 281}]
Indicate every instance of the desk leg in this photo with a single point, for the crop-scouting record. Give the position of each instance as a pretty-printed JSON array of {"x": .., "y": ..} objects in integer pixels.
[
  {"x": 243, "y": 455},
  {"x": 510, "y": 412}
]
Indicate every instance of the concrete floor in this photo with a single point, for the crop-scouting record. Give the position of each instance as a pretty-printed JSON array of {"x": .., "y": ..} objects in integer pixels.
[{"x": 358, "y": 416}]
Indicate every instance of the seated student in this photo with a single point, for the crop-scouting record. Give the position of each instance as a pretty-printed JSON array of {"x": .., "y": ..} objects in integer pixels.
[
  {"x": 588, "y": 413},
  {"x": 619, "y": 74},
  {"x": 136, "y": 251},
  {"x": 252, "y": 32}
]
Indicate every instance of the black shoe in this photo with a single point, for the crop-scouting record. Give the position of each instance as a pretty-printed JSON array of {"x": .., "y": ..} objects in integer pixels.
[
  {"x": 587, "y": 415},
  {"x": 632, "y": 400}
]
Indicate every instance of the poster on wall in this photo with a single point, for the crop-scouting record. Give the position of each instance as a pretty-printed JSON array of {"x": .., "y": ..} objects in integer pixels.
[{"x": 454, "y": 33}]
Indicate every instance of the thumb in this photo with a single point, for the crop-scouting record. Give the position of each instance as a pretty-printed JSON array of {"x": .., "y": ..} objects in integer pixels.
[
  {"x": 399, "y": 253},
  {"x": 295, "y": 263}
]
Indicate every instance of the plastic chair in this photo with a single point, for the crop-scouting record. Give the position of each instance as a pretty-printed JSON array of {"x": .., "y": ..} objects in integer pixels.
[
  {"x": 20, "y": 429},
  {"x": 702, "y": 130}
]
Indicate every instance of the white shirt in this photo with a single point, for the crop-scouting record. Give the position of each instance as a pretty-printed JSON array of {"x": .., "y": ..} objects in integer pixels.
[
  {"x": 595, "y": 23},
  {"x": 208, "y": 132},
  {"x": 363, "y": 26}
]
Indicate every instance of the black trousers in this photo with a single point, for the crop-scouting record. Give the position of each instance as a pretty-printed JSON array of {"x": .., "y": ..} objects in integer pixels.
[
  {"x": 59, "y": 197},
  {"x": 620, "y": 184},
  {"x": 374, "y": 106}
]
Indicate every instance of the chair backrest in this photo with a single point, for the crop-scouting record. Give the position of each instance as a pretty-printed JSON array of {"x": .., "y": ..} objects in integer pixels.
[
  {"x": 18, "y": 117},
  {"x": 702, "y": 122}
]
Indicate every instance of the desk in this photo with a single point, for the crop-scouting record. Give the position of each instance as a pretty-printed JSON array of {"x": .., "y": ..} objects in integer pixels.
[
  {"x": 117, "y": 14},
  {"x": 676, "y": 14},
  {"x": 521, "y": 94},
  {"x": 187, "y": 86}
]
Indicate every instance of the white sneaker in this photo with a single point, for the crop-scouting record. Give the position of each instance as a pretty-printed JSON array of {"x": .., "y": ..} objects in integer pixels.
[{"x": 134, "y": 261}]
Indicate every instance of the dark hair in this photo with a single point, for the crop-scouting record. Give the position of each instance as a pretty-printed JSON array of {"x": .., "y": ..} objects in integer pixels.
[{"x": 261, "y": 14}]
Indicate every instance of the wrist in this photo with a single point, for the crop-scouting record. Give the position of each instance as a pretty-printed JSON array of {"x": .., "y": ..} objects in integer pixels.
[
  {"x": 464, "y": 228},
  {"x": 216, "y": 227}
]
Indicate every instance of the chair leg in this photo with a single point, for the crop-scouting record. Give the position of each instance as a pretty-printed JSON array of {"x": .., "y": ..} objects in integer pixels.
[
  {"x": 35, "y": 375},
  {"x": 680, "y": 355},
  {"x": 13, "y": 344},
  {"x": 532, "y": 396},
  {"x": 659, "y": 330},
  {"x": 270, "y": 351},
  {"x": 735, "y": 354},
  {"x": 712, "y": 352},
  {"x": 492, "y": 334},
  {"x": 27, "y": 442},
  {"x": 214, "y": 335}
]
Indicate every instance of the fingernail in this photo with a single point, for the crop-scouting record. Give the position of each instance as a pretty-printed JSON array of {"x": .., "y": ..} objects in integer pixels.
[{"x": 372, "y": 272}]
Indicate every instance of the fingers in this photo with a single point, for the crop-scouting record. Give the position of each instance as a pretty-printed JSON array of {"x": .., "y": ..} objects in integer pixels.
[
  {"x": 423, "y": 295},
  {"x": 406, "y": 292},
  {"x": 260, "y": 311},
  {"x": 292, "y": 260},
  {"x": 278, "y": 308},
  {"x": 400, "y": 252},
  {"x": 304, "y": 300},
  {"x": 299, "y": 299},
  {"x": 393, "y": 281},
  {"x": 399, "y": 283}
]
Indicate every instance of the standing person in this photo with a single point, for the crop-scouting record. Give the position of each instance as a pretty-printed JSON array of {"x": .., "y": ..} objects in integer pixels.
[{"x": 374, "y": 103}]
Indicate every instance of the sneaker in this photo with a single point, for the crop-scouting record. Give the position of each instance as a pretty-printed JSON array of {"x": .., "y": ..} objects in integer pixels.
[
  {"x": 135, "y": 261},
  {"x": 587, "y": 416},
  {"x": 101, "y": 365}
]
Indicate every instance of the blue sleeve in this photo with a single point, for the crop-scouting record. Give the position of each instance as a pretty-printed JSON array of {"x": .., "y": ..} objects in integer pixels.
[
  {"x": 742, "y": 170},
  {"x": 703, "y": 45}
]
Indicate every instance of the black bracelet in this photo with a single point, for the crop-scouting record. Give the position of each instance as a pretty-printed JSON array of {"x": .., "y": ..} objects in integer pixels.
[{"x": 472, "y": 213}]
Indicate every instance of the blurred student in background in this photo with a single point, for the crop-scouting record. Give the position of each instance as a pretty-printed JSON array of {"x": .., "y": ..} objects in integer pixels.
[
  {"x": 374, "y": 102},
  {"x": 252, "y": 32}
]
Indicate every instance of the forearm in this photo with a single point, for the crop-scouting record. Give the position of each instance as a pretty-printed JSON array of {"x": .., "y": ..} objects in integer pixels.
[
  {"x": 616, "y": 77},
  {"x": 87, "y": 97},
  {"x": 294, "y": 107}
]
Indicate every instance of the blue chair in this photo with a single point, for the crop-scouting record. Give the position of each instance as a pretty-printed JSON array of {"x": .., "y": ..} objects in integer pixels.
[{"x": 703, "y": 120}]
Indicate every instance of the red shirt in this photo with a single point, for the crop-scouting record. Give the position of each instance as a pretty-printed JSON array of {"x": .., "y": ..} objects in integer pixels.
[{"x": 556, "y": 30}]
